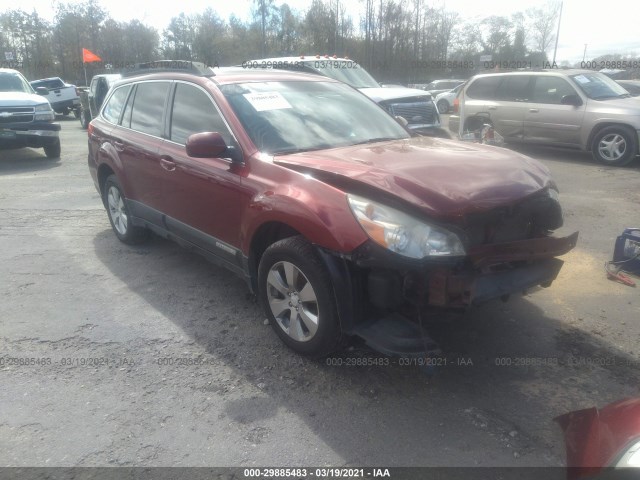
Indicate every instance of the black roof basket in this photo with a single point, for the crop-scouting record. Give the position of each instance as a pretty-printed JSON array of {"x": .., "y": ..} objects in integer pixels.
[{"x": 176, "y": 66}]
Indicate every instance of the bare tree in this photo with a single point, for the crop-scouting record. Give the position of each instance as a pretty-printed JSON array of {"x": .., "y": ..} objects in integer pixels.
[{"x": 543, "y": 23}]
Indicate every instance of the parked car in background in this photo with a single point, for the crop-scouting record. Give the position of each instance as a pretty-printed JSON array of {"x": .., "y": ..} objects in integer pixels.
[
  {"x": 444, "y": 100},
  {"x": 91, "y": 97},
  {"x": 440, "y": 86},
  {"x": 570, "y": 108},
  {"x": 336, "y": 217},
  {"x": 62, "y": 96},
  {"x": 26, "y": 117},
  {"x": 415, "y": 106},
  {"x": 631, "y": 86}
]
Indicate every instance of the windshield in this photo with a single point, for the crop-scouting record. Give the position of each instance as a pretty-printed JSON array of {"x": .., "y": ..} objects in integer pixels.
[
  {"x": 286, "y": 117},
  {"x": 598, "y": 86},
  {"x": 346, "y": 71},
  {"x": 14, "y": 82}
]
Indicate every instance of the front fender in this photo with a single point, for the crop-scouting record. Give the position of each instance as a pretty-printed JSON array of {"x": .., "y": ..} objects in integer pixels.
[{"x": 325, "y": 221}]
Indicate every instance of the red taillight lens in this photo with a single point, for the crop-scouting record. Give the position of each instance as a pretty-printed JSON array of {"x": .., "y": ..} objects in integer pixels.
[
  {"x": 456, "y": 105},
  {"x": 90, "y": 130}
]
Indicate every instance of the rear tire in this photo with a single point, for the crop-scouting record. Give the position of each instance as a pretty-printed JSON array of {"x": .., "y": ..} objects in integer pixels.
[
  {"x": 53, "y": 150},
  {"x": 84, "y": 121},
  {"x": 614, "y": 146},
  {"x": 76, "y": 112},
  {"x": 118, "y": 213},
  {"x": 297, "y": 295}
]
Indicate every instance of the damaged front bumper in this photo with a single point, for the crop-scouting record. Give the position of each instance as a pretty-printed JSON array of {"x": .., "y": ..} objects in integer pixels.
[
  {"x": 485, "y": 273},
  {"x": 499, "y": 270},
  {"x": 373, "y": 286}
]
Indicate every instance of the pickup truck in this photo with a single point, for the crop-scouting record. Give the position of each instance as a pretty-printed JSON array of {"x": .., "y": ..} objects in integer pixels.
[
  {"x": 91, "y": 97},
  {"x": 26, "y": 117},
  {"x": 62, "y": 96}
]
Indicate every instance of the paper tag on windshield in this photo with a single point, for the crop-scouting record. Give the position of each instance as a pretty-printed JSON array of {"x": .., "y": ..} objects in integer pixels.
[
  {"x": 267, "y": 101},
  {"x": 581, "y": 79}
]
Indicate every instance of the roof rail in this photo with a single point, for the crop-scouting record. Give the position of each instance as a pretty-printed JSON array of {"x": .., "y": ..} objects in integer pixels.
[{"x": 161, "y": 66}]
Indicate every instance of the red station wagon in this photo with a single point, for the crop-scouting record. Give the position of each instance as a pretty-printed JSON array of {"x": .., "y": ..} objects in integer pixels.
[{"x": 338, "y": 219}]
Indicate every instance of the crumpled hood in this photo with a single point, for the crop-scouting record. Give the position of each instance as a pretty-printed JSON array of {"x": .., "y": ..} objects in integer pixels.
[
  {"x": 20, "y": 99},
  {"x": 445, "y": 178}
]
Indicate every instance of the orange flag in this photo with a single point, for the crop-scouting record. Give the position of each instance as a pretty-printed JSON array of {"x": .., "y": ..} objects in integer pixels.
[{"x": 89, "y": 56}]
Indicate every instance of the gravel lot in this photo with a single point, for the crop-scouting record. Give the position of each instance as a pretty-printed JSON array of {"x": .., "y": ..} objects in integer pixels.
[{"x": 105, "y": 319}]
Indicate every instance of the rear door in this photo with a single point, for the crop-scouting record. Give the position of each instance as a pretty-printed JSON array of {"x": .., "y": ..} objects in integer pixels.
[
  {"x": 547, "y": 120},
  {"x": 137, "y": 140},
  {"x": 508, "y": 109},
  {"x": 202, "y": 193}
]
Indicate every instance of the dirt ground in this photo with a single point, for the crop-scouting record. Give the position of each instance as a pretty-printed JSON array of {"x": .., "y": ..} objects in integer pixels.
[{"x": 149, "y": 356}]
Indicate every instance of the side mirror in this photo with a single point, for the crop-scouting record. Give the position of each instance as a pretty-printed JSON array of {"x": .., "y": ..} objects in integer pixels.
[
  {"x": 572, "y": 99},
  {"x": 211, "y": 145},
  {"x": 401, "y": 120},
  {"x": 42, "y": 91},
  {"x": 205, "y": 145}
]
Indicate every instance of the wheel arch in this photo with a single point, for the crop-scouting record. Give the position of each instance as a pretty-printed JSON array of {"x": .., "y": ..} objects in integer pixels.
[
  {"x": 265, "y": 235},
  {"x": 104, "y": 171},
  {"x": 601, "y": 126}
]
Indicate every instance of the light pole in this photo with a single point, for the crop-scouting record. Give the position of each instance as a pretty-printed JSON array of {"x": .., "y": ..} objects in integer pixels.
[
  {"x": 584, "y": 55},
  {"x": 555, "y": 50}
]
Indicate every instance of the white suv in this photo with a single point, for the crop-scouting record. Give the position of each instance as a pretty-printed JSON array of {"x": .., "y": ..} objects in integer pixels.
[{"x": 571, "y": 108}]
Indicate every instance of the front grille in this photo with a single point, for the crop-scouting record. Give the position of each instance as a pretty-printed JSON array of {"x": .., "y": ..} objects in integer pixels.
[
  {"x": 530, "y": 218},
  {"x": 16, "y": 114},
  {"x": 418, "y": 113}
]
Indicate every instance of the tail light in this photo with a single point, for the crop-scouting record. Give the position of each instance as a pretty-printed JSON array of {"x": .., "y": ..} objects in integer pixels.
[
  {"x": 90, "y": 129},
  {"x": 456, "y": 105}
]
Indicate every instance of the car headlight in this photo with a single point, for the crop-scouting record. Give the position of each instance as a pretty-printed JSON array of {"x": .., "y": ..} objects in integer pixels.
[
  {"x": 631, "y": 458},
  {"x": 44, "y": 112},
  {"x": 402, "y": 233}
]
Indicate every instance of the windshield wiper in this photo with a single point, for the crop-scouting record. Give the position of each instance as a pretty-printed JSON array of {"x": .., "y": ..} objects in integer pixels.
[
  {"x": 323, "y": 146},
  {"x": 376, "y": 140}
]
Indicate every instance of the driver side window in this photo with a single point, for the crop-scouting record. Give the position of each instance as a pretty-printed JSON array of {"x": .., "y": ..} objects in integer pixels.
[
  {"x": 194, "y": 112},
  {"x": 551, "y": 90}
]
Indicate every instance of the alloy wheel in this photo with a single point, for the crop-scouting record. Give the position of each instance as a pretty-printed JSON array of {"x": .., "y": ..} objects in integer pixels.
[{"x": 293, "y": 301}]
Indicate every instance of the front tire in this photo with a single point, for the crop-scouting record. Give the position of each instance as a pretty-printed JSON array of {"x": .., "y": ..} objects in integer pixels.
[
  {"x": 119, "y": 216},
  {"x": 614, "y": 146},
  {"x": 443, "y": 106},
  {"x": 53, "y": 150},
  {"x": 296, "y": 293}
]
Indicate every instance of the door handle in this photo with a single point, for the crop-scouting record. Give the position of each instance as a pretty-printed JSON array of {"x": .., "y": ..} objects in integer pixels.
[
  {"x": 167, "y": 164},
  {"x": 119, "y": 146},
  {"x": 493, "y": 108},
  {"x": 533, "y": 110}
]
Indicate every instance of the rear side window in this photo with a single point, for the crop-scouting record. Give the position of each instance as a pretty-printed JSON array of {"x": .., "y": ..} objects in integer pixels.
[
  {"x": 484, "y": 88},
  {"x": 148, "y": 107},
  {"x": 194, "y": 112},
  {"x": 113, "y": 107},
  {"x": 551, "y": 90},
  {"x": 50, "y": 84},
  {"x": 514, "y": 88}
]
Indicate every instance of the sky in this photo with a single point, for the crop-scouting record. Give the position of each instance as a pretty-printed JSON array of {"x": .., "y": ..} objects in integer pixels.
[{"x": 605, "y": 30}]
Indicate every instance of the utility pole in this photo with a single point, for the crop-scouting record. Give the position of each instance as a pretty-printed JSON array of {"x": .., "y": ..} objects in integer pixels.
[
  {"x": 263, "y": 15},
  {"x": 555, "y": 50},
  {"x": 584, "y": 55}
]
